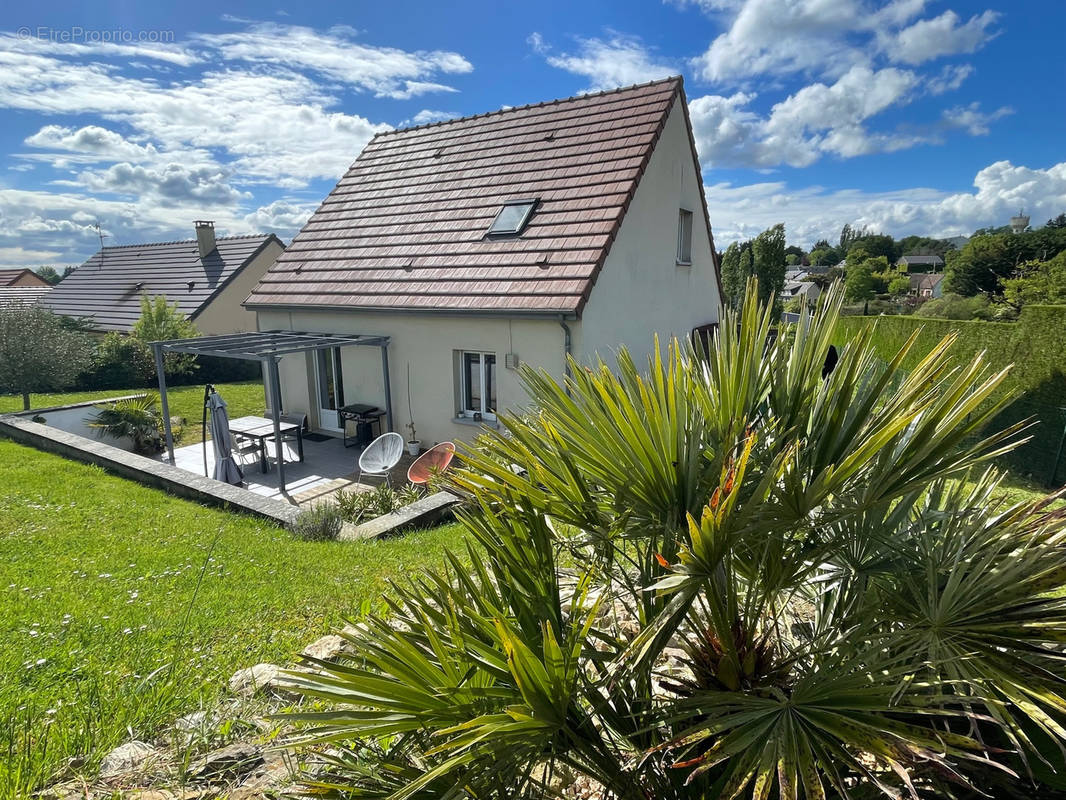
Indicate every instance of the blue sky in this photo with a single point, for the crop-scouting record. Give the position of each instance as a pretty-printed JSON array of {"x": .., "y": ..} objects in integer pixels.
[{"x": 907, "y": 116}]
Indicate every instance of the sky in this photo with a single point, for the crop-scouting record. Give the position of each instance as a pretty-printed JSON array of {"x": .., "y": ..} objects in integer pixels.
[{"x": 130, "y": 120}]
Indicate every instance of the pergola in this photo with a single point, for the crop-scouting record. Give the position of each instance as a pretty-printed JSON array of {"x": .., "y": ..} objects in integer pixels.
[{"x": 266, "y": 347}]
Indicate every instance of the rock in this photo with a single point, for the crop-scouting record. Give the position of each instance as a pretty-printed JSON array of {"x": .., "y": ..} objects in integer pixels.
[
  {"x": 230, "y": 764},
  {"x": 149, "y": 794},
  {"x": 259, "y": 680},
  {"x": 129, "y": 757},
  {"x": 191, "y": 722},
  {"x": 329, "y": 648}
]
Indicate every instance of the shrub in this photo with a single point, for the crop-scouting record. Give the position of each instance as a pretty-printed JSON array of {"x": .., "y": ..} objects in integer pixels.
[
  {"x": 356, "y": 507},
  {"x": 853, "y": 618},
  {"x": 320, "y": 523},
  {"x": 953, "y": 306}
]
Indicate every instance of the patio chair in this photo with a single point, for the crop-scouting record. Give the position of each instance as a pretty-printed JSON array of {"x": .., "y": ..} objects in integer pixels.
[
  {"x": 381, "y": 456},
  {"x": 434, "y": 461}
]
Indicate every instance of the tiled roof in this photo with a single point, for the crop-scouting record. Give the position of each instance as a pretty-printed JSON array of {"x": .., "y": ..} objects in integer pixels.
[
  {"x": 11, "y": 295},
  {"x": 9, "y": 276},
  {"x": 108, "y": 287},
  {"x": 923, "y": 260},
  {"x": 406, "y": 225}
]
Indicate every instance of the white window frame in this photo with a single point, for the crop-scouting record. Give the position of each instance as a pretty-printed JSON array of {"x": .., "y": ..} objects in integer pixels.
[
  {"x": 684, "y": 237},
  {"x": 469, "y": 412}
]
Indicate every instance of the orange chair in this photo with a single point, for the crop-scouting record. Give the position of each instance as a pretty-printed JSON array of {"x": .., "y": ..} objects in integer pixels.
[{"x": 435, "y": 459}]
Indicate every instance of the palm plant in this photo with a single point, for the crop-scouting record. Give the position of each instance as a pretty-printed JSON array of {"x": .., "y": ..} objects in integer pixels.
[
  {"x": 857, "y": 614},
  {"x": 136, "y": 418}
]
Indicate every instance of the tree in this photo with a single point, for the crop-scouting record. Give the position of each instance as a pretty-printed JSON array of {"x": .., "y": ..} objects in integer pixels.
[
  {"x": 877, "y": 244},
  {"x": 768, "y": 254},
  {"x": 733, "y": 277},
  {"x": 859, "y": 283},
  {"x": 899, "y": 286},
  {"x": 159, "y": 321},
  {"x": 1038, "y": 282},
  {"x": 1057, "y": 222},
  {"x": 49, "y": 274},
  {"x": 720, "y": 576},
  {"x": 980, "y": 265},
  {"x": 39, "y": 351}
]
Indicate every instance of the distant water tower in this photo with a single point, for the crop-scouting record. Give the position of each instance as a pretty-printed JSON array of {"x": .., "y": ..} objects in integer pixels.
[{"x": 1020, "y": 222}]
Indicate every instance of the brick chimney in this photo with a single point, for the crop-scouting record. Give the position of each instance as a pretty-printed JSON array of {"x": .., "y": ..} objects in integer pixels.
[{"x": 205, "y": 236}]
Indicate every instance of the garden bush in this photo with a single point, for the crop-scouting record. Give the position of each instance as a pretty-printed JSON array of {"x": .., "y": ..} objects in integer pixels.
[
  {"x": 358, "y": 507},
  {"x": 321, "y": 522},
  {"x": 853, "y": 611}
]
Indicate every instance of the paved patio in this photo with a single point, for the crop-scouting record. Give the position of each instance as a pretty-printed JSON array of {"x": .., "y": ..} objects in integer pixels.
[{"x": 327, "y": 467}]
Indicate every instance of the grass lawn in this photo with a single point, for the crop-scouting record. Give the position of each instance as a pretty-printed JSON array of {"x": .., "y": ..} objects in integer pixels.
[
  {"x": 100, "y": 639},
  {"x": 185, "y": 401}
]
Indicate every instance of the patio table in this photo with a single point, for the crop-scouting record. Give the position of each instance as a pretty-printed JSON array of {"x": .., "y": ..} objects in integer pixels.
[{"x": 260, "y": 429}]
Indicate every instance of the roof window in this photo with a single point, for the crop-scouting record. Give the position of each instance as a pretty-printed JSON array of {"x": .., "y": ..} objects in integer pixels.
[{"x": 513, "y": 217}]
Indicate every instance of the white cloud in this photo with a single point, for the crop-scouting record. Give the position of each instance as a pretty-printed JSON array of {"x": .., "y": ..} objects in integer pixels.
[
  {"x": 92, "y": 141},
  {"x": 284, "y": 217},
  {"x": 951, "y": 77},
  {"x": 172, "y": 184},
  {"x": 812, "y": 213},
  {"x": 825, "y": 38},
  {"x": 335, "y": 54},
  {"x": 42, "y": 41},
  {"x": 971, "y": 119},
  {"x": 273, "y": 126},
  {"x": 619, "y": 60},
  {"x": 940, "y": 36},
  {"x": 818, "y": 120},
  {"x": 426, "y": 115}
]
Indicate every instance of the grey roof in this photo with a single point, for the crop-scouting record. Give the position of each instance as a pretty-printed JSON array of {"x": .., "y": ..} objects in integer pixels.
[
  {"x": 927, "y": 260},
  {"x": 108, "y": 287},
  {"x": 12, "y": 295},
  {"x": 925, "y": 280}
]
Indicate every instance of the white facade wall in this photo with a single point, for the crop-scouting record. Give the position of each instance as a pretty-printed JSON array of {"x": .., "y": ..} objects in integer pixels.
[
  {"x": 428, "y": 343},
  {"x": 641, "y": 290},
  {"x": 225, "y": 314}
]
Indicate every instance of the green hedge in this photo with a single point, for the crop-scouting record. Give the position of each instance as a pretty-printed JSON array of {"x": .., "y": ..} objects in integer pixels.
[{"x": 1035, "y": 345}]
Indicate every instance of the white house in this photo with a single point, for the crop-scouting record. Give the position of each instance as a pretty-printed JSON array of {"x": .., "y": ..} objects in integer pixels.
[{"x": 483, "y": 243}]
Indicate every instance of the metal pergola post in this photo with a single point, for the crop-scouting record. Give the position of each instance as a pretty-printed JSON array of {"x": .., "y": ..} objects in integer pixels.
[
  {"x": 274, "y": 387},
  {"x": 388, "y": 388},
  {"x": 157, "y": 351}
]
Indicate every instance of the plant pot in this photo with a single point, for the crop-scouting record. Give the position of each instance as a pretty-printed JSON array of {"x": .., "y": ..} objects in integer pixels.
[{"x": 414, "y": 447}]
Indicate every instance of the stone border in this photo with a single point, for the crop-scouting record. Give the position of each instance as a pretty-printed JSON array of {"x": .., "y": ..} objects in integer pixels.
[
  {"x": 34, "y": 412},
  {"x": 156, "y": 474}
]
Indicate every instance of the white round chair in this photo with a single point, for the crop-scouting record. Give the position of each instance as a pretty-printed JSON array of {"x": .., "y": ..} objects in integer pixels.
[{"x": 380, "y": 456}]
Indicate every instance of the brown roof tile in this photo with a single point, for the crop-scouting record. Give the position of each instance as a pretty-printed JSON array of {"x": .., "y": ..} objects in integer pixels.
[{"x": 406, "y": 225}]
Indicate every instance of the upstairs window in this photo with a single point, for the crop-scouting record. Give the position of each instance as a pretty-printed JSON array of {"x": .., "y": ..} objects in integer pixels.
[
  {"x": 512, "y": 218},
  {"x": 684, "y": 237}
]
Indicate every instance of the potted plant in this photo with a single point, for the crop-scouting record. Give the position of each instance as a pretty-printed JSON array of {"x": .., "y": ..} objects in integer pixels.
[{"x": 414, "y": 445}]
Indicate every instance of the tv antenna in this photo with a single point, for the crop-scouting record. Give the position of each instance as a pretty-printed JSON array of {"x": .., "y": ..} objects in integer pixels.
[{"x": 102, "y": 236}]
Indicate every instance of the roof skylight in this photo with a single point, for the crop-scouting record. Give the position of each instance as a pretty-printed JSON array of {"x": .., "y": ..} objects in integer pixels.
[{"x": 513, "y": 217}]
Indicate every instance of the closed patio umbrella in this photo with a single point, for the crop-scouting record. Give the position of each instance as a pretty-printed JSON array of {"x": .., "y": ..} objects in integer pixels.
[{"x": 226, "y": 468}]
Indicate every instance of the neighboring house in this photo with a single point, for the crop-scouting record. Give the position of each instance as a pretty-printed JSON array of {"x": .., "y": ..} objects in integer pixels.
[
  {"x": 920, "y": 263},
  {"x": 207, "y": 278},
  {"x": 796, "y": 274},
  {"x": 801, "y": 289},
  {"x": 478, "y": 244},
  {"x": 22, "y": 295},
  {"x": 926, "y": 284},
  {"x": 22, "y": 278}
]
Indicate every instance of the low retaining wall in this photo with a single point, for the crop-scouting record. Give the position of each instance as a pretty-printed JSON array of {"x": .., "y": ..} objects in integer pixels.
[
  {"x": 421, "y": 513},
  {"x": 158, "y": 474}
]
